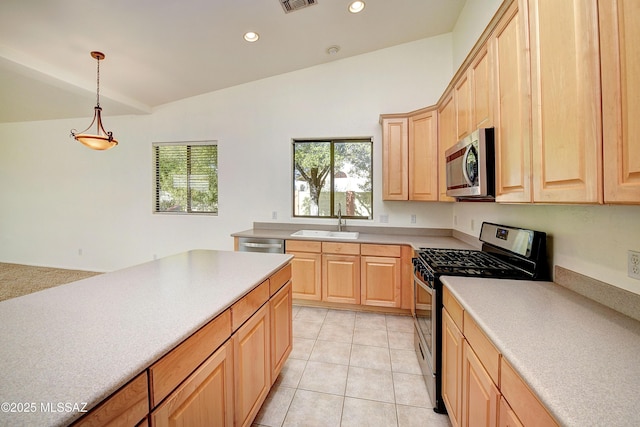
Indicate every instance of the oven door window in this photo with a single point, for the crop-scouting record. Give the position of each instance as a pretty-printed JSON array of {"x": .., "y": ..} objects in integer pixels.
[{"x": 424, "y": 304}]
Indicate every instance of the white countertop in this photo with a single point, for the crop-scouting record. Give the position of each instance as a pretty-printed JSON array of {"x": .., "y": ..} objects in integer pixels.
[
  {"x": 390, "y": 237},
  {"x": 580, "y": 358},
  {"x": 80, "y": 342}
]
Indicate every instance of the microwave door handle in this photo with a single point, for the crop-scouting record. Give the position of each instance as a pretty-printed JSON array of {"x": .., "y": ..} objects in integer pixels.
[{"x": 464, "y": 165}]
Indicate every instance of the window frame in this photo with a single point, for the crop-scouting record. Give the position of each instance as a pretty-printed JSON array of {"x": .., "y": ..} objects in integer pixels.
[
  {"x": 156, "y": 188},
  {"x": 332, "y": 142}
]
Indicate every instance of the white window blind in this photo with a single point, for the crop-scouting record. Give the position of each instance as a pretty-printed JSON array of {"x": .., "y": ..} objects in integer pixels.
[{"x": 186, "y": 177}]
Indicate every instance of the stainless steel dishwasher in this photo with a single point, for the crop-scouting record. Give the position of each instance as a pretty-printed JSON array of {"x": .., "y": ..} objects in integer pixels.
[{"x": 260, "y": 244}]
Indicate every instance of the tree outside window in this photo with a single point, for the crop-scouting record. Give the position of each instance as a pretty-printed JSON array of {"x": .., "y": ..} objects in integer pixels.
[
  {"x": 332, "y": 172},
  {"x": 186, "y": 177}
]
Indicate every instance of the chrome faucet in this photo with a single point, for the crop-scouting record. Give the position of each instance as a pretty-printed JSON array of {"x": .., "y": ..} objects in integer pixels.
[{"x": 340, "y": 222}]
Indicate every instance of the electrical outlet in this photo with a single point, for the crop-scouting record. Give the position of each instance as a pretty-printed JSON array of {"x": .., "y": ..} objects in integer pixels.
[
  {"x": 384, "y": 219},
  {"x": 274, "y": 215},
  {"x": 80, "y": 251},
  {"x": 413, "y": 218},
  {"x": 473, "y": 225},
  {"x": 633, "y": 264}
]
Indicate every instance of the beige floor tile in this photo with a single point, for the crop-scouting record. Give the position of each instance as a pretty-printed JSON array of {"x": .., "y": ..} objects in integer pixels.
[
  {"x": 404, "y": 361},
  {"x": 324, "y": 378},
  {"x": 313, "y": 314},
  {"x": 331, "y": 352},
  {"x": 336, "y": 332},
  {"x": 411, "y": 416},
  {"x": 400, "y": 340},
  {"x": 371, "y": 320},
  {"x": 291, "y": 372},
  {"x": 365, "y": 356},
  {"x": 411, "y": 390},
  {"x": 375, "y": 337},
  {"x": 342, "y": 317},
  {"x": 312, "y": 409},
  {"x": 302, "y": 348},
  {"x": 275, "y": 407},
  {"x": 360, "y": 412},
  {"x": 306, "y": 328},
  {"x": 399, "y": 323},
  {"x": 371, "y": 384}
]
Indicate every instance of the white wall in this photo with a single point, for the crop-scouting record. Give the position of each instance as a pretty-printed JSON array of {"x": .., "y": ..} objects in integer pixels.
[
  {"x": 592, "y": 240},
  {"x": 472, "y": 21},
  {"x": 67, "y": 206}
]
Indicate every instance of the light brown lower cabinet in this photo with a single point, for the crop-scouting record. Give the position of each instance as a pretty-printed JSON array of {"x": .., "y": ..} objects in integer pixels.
[
  {"x": 506, "y": 416},
  {"x": 252, "y": 366},
  {"x": 341, "y": 278},
  {"x": 452, "y": 340},
  {"x": 480, "y": 396},
  {"x": 205, "y": 398},
  {"x": 306, "y": 269},
  {"x": 281, "y": 329},
  {"x": 472, "y": 369}
]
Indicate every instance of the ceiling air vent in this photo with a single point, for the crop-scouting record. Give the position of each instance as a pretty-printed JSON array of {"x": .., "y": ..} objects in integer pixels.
[{"x": 293, "y": 5}]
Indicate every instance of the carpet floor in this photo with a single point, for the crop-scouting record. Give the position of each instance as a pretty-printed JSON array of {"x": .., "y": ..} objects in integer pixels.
[{"x": 17, "y": 279}]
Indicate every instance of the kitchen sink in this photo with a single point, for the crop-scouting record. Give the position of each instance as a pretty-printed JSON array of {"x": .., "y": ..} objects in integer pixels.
[{"x": 324, "y": 234}]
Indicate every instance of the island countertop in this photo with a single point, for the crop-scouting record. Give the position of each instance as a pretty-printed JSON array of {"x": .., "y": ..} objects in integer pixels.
[
  {"x": 78, "y": 343},
  {"x": 578, "y": 356}
]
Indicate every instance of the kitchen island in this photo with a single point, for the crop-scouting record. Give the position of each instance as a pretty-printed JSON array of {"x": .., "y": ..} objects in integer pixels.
[
  {"x": 579, "y": 358},
  {"x": 66, "y": 349}
]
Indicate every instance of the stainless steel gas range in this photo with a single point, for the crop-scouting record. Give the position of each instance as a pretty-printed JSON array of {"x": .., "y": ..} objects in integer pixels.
[{"x": 507, "y": 253}]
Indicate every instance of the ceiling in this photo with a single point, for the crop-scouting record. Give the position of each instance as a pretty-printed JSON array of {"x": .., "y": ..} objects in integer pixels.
[{"x": 159, "y": 51}]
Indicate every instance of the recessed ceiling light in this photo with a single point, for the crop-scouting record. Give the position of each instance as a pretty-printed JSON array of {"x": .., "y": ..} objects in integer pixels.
[
  {"x": 356, "y": 7},
  {"x": 251, "y": 37},
  {"x": 332, "y": 50}
]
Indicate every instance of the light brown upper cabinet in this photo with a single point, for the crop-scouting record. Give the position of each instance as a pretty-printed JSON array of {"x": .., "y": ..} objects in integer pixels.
[
  {"x": 566, "y": 101},
  {"x": 512, "y": 105},
  {"x": 462, "y": 95},
  {"x": 480, "y": 72},
  {"x": 409, "y": 156},
  {"x": 620, "y": 62},
  {"x": 447, "y": 136},
  {"x": 395, "y": 157}
]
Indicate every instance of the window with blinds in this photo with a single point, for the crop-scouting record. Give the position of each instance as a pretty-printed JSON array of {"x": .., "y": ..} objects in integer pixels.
[{"x": 186, "y": 177}]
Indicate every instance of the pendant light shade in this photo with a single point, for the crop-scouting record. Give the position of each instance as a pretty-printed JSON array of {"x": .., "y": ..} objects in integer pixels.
[{"x": 101, "y": 140}]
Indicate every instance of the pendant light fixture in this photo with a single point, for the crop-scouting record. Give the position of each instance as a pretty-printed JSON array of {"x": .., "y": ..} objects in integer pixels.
[{"x": 102, "y": 140}]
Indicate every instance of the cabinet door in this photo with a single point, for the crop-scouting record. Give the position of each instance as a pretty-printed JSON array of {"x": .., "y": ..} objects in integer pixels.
[
  {"x": 620, "y": 62},
  {"x": 566, "y": 113},
  {"x": 452, "y": 368},
  {"x": 447, "y": 132},
  {"x": 480, "y": 396},
  {"x": 252, "y": 367},
  {"x": 512, "y": 105},
  {"x": 506, "y": 416},
  {"x": 205, "y": 398},
  {"x": 306, "y": 270},
  {"x": 395, "y": 158},
  {"x": 423, "y": 157},
  {"x": 281, "y": 329},
  {"x": 480, "y": 77},
  {"x": 380, "y": 281},
  {"x": 463, "y": 106},
  {"x": 341, "y": 278}
]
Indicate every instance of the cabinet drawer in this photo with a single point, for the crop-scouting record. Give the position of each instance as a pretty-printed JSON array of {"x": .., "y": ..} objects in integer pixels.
[
  {"x": 128, "y": 406},
  {"x": 167, "y": 373},
  {"x": 380, "y": 250},
  {"x": 249, "y": 304},
  {"x": 484, "y": 349},
  {"x": 453, "y": 307},
  {"x": 527, "y": 407},
  {"x": 303, "y": 246},
  {"x": 279, "y": 278},
  {"x": 341, "y": 248}
]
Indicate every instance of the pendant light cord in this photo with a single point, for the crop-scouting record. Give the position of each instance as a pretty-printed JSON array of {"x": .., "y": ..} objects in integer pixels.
[{"x": 98, "y": 84}]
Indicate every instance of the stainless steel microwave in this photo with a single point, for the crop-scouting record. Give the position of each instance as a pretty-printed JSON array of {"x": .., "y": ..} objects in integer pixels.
[{"x": 471, "y": 166}]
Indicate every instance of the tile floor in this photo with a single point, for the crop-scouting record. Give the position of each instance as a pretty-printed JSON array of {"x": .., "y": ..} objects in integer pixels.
[{"x": 350, "y": 369}]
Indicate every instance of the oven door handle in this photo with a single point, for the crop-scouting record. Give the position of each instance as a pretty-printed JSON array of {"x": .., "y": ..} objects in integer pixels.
[{"x": 428, "y": 289}]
